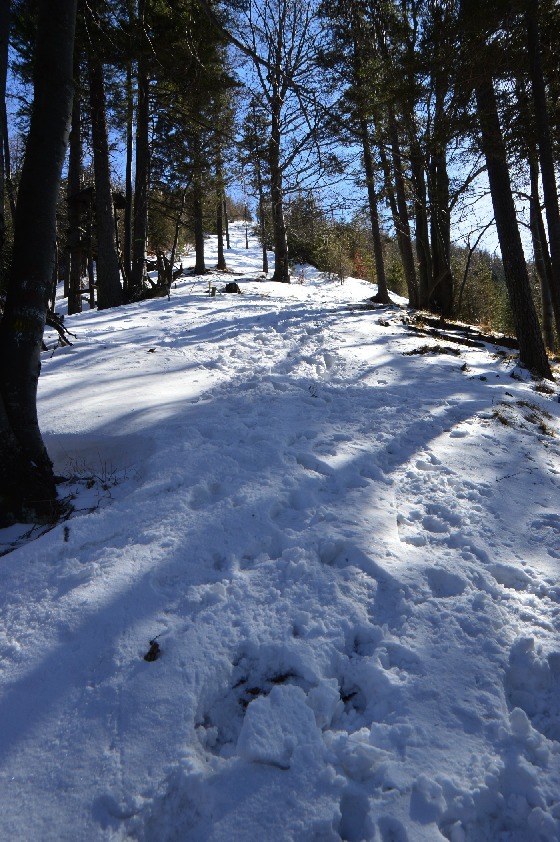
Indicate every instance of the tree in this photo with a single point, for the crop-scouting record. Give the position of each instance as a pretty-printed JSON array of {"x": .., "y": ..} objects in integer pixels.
[
  {"x": 279, "y": 37},
  {"x": 27, "y": 483},
  {"x": 253, "y": 147},
  {"x": 546, "y": 157},
  {"x": 142, "y": 162},
  {"x": 4, "y": 39},
  {"x": 531, "y": 347},
  {"x": 74, "y": 242},
  {"x": 109, "y": 292}
]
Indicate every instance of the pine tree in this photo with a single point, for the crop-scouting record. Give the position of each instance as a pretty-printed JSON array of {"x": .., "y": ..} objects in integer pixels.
[{"x": 27, "y": 485}]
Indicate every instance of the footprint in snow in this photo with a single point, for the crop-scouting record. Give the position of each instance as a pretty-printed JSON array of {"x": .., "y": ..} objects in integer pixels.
[
  {"x": 511, "y": 577},
  {"x": 444, "y": 584},
  {"x": 532, "y": 684}
]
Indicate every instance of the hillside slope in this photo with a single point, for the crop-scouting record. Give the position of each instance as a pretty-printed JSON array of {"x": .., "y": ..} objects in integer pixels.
[{"x": 347, "y": 553}]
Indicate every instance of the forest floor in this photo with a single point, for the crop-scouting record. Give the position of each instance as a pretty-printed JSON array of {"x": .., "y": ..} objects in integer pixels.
[{"x": 343, "y": 537}]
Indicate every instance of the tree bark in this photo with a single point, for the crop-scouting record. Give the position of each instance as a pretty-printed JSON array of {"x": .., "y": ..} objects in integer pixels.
[
  {"x": 357, "y": 58},
  {"x": 441, "y": 292},
  {"x": 281, "y": 265},
  {"x": 542, "y": 256},
  {"x": 421, "y": 232},
  {"x": 109, "y": 292},
  {"x": 4, "y": 40},
  {"x": 74, "y": 203},
  {"x": 531, "y": 347},
  {"x": 382, "y": 291},
  {"x": 219, "y": 215},
  {"x": 226, "y": 223},
  {"x": 402, "y": 230},
  {"x": 140, "y": 215},
  {"x": 403, "y": 218},
  {"x": 7, "y": 163},
  {"x": 221, "y": 265},
  {"x": 262, "y": 221},
  {"x": 546, "y": 156},
  {"x": 200, "y": 265},
  {"x": 127, "y": 239},
  {"x": 27, "y": 488}
]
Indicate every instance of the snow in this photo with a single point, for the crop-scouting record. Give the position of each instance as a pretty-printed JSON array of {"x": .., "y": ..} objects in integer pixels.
[{"x": 348, "y": 556}]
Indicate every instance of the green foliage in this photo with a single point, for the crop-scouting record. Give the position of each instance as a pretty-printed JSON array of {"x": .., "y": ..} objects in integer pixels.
[
  {"x": 394, "y": 272},
  {"x": 484, "y": 300}
]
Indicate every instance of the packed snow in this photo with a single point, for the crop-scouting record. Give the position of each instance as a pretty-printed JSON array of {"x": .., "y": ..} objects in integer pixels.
[{"x": 343, "y": 556}]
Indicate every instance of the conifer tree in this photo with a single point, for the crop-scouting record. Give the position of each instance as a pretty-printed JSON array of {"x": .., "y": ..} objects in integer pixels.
[{"x": 27, "y": 483}]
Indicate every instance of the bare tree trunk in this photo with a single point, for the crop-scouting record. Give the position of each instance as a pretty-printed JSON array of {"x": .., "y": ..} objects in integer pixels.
[
  {"x": 402, "y": 231},
  {"x": 178, "y": 223},
  {"x": 281, "y": 265},
  {"x": 127, "y": 239},
  {"x": 542, "y": 256},
  {"x": 221, "y": 265},
  {"x": 421, "y": 232},
  {"x": 357, "y": 57},
  {"x": 441, "y": 293},
  {"x": 7, "y": 163},
  {"x": 200, "y": 265},
  {"x": 382, "y": 291},
  {"x": 262, "y": 221},
  {"x": 74, "y": 203},
  {"x": 4, "y": 40},
  {"x": 140, "y": 216},
  {"x": 531, "y": 347},
  {"x": 27, "y": 488},
  {"x": 545, "y": 152},
  {"x": 403, "y": 219},
  {"x": 51, "y": 303},
  {"x": 109, "y": 292},
  {"x": 91, "y": 280},
  {"x": 219, "y": 215},
  {"x": 226, "y": 223}
]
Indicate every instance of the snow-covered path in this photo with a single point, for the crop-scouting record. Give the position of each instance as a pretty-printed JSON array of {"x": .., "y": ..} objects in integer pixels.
[{"x": 349, "y": 557}]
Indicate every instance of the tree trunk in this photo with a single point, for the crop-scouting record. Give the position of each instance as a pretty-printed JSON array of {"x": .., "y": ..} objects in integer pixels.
[
  {"x": 178, "y": 223},
  {"x": 357, "y": 44},
  {"x": 109, "y": 292},
  {"x": 200, "y": 265},
  {"x": 545, "y": 152},
  {"x": 51, "y": 303},
  {"x": 7, "y": 164},
  {"x": 281, "y": 265},
  {"x": 74, "y": 203},
  {"x": 226, "y": 223},
  {"x": 27, "y": 488},
  {"x": 542, "y": 256},
  {"x": 127, "y": 239},
  {"x": 220, "y": 232},
  {"x": 140, "y": 215},
  {"x": 441, "y": 292},
  {"x": 4, "y": 39},
  {"x": 402, "y": 218},
  {"x": 403, "y": 239},
  {"x": 382, "y": 291},
  {"x": 531, "y": 348},
  {"x": 423, "y": 253},
  {"x": 219, "y": 215},
  {"x": 262, "y": 221}
]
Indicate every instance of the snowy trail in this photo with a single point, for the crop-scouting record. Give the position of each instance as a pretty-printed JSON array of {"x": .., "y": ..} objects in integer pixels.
[{"x": 350, "y": 563}]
